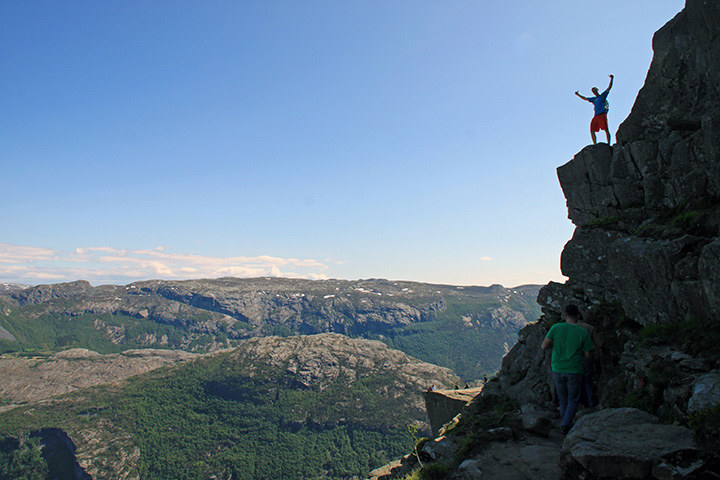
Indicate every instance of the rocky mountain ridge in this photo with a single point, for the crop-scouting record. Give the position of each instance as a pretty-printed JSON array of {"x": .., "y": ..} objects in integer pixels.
[
  {"x": 318, "y": 361},
  {"x": 643, "y": 266},
  {"x": 6, "y": 287},
  {"x": 211, "y": 314},
  {"x": 258, "y": 301}
]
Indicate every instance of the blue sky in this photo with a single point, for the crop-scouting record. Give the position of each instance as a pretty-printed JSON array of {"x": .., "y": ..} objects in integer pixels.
[{"x": 408, "y": 140}]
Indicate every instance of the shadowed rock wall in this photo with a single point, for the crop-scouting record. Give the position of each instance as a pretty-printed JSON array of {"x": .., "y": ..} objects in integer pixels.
[{"x": 647, "y": 210}]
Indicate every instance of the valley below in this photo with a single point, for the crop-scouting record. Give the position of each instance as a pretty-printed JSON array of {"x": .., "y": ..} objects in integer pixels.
[{"x": 237, "y": 378}]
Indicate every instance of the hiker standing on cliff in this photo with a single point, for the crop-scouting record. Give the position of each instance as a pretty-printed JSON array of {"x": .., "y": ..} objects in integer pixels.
[
  {"x": 599, "y": 121},
  {"x": 570, "y": 343}
]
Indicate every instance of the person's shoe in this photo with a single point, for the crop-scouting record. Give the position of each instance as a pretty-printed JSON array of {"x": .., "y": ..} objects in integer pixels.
[{"x": 564, "y": 430}]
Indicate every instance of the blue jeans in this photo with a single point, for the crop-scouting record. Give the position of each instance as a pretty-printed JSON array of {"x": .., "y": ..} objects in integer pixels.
[{"x": 569, "y": 388}]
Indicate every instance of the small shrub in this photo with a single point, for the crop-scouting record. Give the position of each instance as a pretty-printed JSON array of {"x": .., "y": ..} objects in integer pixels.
[
  {"x": 419, "y": 442},
  {"x": 702, "y": 336},
  {"x": 434, "y": 471},
  {"x": 659, "y": 331},
  {"x": 706, "y": 427},
  {"x": 699, "y": 336},
  {"x": 415, "y": 475},
  {"x": 642, "y": 399},
  {"x": 469, "y": 443},
  {"x": 660, "y": 375},
  {"x": 508, "y": 405},
  {"x": 604, "y": 222},
  {"x": 685, "y": 220}
]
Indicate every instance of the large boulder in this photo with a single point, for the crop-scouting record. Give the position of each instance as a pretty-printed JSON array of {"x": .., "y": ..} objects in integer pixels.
[
  {"x": 626, "y": 443},
  {"x": 706, "y": 393}
]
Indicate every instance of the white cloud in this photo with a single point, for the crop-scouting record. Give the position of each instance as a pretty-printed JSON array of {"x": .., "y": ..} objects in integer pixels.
[
  {"x": 25, "y": 264},
  {"x": 486, "y": 259},
  {"x": 21, "y": 254},
  {"x": 91, "y": 250}
]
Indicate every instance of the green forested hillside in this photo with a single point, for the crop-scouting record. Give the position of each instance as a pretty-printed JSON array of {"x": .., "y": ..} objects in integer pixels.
[
  {"x": 49, "y": 332},
  {"x": 242, "y": 415},
  {"x": 464, "y": 336}
]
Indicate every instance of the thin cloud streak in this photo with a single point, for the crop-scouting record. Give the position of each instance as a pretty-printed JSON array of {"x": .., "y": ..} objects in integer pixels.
[
  {"x": 12, "y": 254},
  {"x": 24, "y": 264}
]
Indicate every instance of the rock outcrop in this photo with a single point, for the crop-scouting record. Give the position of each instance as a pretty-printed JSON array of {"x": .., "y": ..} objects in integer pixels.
[
  {"x": 626, "y": 443},
  {"x": 643, "y": 261},
  {"x": 647, "y": 210},
  {"x": 316, "y": 361},
  {"x": 443, "y": 405},
  {"x": 26, "y": 380},
  {"x": 643, "y": 267},
  {"x": 646, "y": 250},
  {"x": 489, "y": 439}
]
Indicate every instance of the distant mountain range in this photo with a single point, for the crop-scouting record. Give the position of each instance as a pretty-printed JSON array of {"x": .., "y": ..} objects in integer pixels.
[{"x": 467, "y": 329}]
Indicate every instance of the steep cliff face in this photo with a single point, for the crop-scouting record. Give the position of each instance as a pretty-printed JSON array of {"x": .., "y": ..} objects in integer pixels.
[
  {"x": 643, "y": 265},
  {"x": 647, "y": 210},
  {"x": 643, "y": 262}
]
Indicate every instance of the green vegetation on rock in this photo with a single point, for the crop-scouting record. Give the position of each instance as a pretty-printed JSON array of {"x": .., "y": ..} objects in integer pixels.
[
  {"x": 22, "y": 459},
  {"x": 463, "y": 338},
  {"x": 102, "y": 333},
  {"x": 248, "y": 413}
]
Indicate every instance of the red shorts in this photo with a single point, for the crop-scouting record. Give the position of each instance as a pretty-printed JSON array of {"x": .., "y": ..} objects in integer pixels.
[{"x": 599, "y": 122}]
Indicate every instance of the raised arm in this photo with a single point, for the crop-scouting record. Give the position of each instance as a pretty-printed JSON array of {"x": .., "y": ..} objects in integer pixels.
[
  {"x": 612, "y": 77},
  {"x": 584, "y": 98}
]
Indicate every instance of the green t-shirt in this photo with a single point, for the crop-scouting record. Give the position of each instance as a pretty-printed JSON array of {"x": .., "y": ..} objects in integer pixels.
[{"x": 569, "y": 343}]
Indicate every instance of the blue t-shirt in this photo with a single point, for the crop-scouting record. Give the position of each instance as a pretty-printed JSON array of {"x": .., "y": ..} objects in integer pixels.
[{"x": 600, "y": 102}]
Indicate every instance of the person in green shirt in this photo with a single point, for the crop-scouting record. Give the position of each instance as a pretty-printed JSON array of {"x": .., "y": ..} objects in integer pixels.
[{"x": 570, "y": 343}]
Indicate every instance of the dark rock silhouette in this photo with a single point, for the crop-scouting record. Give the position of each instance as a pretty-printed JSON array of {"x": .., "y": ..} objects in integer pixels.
[{"x": 643, "y": 267}]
